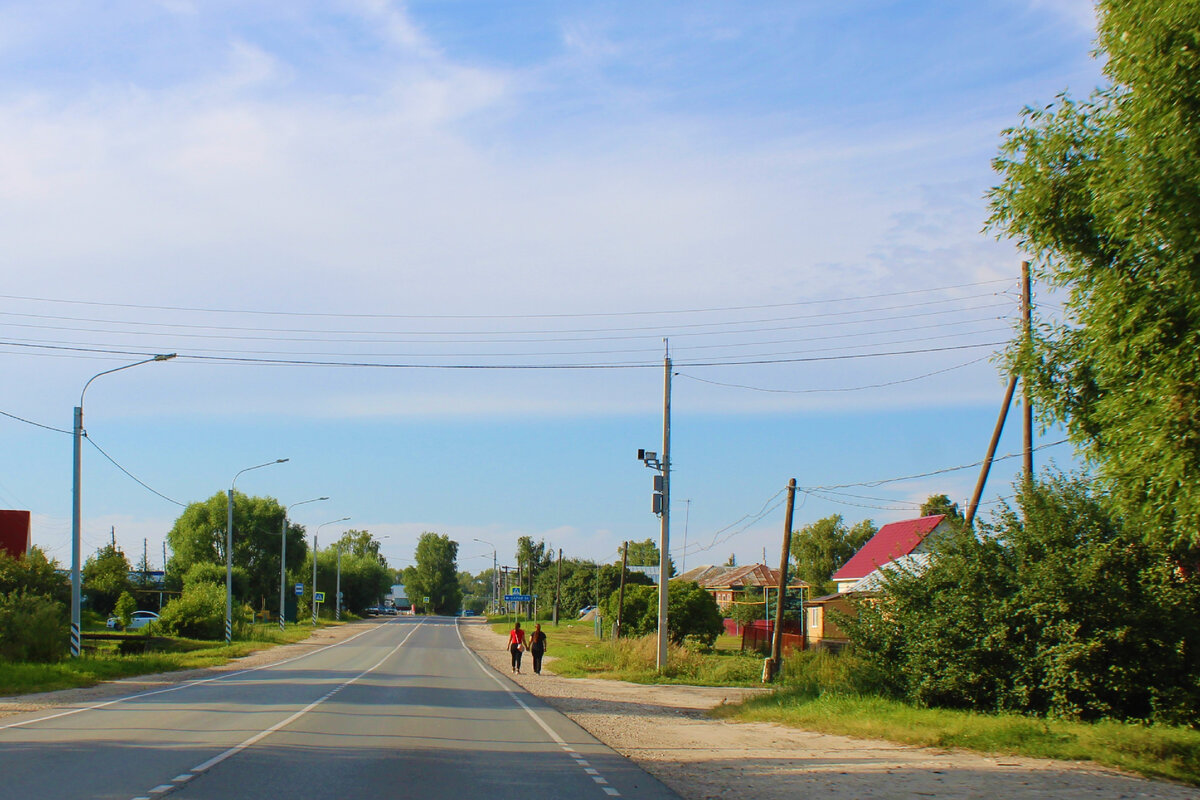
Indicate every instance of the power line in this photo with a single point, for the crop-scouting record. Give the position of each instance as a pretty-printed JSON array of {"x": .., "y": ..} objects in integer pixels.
[
  {"x": 837, "y": 389},
  {"x": 35, "y": 424},
  {"x": 136, "y": 479},
  {"x": 496, "y": 316}
]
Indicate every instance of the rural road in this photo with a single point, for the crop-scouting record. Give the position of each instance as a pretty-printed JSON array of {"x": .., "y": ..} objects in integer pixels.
[{"x": 402, "y": 709}]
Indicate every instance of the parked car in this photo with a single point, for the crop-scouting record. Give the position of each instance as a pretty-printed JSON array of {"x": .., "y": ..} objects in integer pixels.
[
  {"x": 139, "y": 619},
  {"x": 583, "y": 612}
]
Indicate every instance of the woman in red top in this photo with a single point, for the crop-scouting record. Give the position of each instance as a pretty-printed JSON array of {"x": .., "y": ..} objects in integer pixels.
[{"x": 516, "y": 643}]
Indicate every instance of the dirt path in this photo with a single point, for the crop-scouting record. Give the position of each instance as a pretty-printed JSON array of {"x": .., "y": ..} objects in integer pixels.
[{"x": 666, "y": 731}]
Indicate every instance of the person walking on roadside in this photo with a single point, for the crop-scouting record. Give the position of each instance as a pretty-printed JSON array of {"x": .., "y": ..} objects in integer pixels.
[
  {"x": 537, "y": 647},
  {"x": 516, "y": 643}
]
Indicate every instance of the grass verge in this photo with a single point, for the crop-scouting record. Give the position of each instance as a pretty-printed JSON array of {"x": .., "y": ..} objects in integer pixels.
[
  {"x": 1155, "y": 751},
  {"x": 579, "y": 654},
  {"x": 105, "y": 664}
]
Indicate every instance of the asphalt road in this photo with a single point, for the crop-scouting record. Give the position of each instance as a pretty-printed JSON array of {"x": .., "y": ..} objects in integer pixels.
[{"x": 402, "y": 710}]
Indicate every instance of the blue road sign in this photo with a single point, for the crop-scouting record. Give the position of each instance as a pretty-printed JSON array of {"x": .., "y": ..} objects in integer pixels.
[
  {"x": 319, "y": 597},
  {"x": 299, "y": 589},
  {"x": 518, "y": 598}
]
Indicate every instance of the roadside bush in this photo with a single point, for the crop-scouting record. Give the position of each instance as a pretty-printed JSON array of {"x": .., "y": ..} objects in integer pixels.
[
  {"x": 32, "y": 627},
  {"x": 34, "y": 574},
  {"x": 124, "y": 609},
  {"x": 207, "y": 572},
  {"x": 199, "y": 613},
  {"x": 1062, "y": 608},
  {"x": 692, "y": 613}
]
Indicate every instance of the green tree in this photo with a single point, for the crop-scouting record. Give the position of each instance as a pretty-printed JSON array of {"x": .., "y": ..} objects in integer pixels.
[
  {"x": 124, "y": 608},
  {"x": 436, "y": 574},
  {"x": 941, "y": 504},
  {"x": 1063, "y": 608},
  {"x": 645, "y": 554},
  {"x": 198, "y": 536},
  {"x": 692, "y": 613},
  {"x": 360, "y": 543},
  {"x": 105, "y": 577},
  {"x": 1104, "y": 195},
  {"x": 822, "y": 548},
  {"x": 34, "y": 574}
]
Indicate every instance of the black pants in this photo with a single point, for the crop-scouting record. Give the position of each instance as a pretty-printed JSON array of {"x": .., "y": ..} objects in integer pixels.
[
  {"x": 516, "y": 655},
  {"x": 537, "y": 660}
]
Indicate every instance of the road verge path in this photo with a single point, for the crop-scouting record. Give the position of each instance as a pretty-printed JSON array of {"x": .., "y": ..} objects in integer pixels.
[{"x": 666, "y": 730}]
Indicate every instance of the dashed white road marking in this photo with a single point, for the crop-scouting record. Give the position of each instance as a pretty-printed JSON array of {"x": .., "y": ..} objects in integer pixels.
[
  {"x": 595, "y": 774},
  {"x": 159, "y": 791}
]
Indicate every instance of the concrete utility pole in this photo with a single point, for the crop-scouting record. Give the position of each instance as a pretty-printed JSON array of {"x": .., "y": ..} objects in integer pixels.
[
  {"x": 621, "y": 591},
  {"x": 665, "y": 537},
  {"x": 1027, "y": 325},
  {"x": 337, "y": 614},
  {"x": 777, "y": 634}
]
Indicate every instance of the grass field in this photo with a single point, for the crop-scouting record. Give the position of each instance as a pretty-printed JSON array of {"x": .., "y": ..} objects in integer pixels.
[
  {"x": 1151, "y": 750},
  {"x": 105, "y": 664},
  {"x": 580, "y": 654}
]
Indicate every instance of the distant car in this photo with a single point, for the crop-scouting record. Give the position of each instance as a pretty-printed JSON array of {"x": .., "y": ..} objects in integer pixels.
[
  {"x": 139, "y": 619},
  {"x": 467, "y": 612},
  {"x": 583, "y": 612}
]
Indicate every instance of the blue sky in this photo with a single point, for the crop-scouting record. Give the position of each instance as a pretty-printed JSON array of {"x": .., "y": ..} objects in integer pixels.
[{"x": 467, "y": 229}]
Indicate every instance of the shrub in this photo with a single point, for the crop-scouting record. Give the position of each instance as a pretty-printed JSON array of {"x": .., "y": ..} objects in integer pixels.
[
  {"x": 199, "y": 613},
  {"x": 692, "y": 613},
  {"x": 32, "y": 627},
  {"x": 124, "y": 609}
]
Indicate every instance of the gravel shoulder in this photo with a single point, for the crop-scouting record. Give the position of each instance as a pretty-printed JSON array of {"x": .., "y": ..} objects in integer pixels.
[{"x": 666, "y": 729}]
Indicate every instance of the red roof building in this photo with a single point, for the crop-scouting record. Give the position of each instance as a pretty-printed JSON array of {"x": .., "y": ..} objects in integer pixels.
[{"x": 894, "y": 540}]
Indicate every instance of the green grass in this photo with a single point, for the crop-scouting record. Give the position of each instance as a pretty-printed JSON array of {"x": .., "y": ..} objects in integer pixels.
[
  {"x": 1156, "y": 751},
  {"x": 104, "y": 663},
  {"x": 580, "y": 654}
]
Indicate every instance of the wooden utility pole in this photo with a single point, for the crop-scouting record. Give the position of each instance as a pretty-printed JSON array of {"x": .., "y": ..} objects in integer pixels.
[
  {"x": 1027, "y": 325},
  {"x": 557, "y": 586},
  {"x": 776, "y": 661},
  {"x": 991, "y": 451},
  {"x": 621, "y": 590}
]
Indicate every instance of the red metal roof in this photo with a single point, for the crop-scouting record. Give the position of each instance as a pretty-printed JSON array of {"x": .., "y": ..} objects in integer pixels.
[{"x": 892, "y": 541}]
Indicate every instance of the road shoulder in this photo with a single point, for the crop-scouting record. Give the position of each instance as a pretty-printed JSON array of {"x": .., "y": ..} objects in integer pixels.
[{"x": 667, "y": 731}]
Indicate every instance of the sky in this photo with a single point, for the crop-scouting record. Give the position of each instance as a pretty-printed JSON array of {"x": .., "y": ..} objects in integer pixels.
[{"x": 434, "y": 253}]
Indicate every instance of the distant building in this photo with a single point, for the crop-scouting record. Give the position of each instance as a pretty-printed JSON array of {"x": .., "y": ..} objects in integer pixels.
[
  {"x": 14, "y": 533},
  {"x": 649, "y": 572},
  {"x": 726, "y": 584},
  {"x": 398, "y": 597},
  {"x": 893, "y": 541}
]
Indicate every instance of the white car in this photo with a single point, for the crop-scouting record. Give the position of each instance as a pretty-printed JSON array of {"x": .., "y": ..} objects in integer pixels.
[{"x": 139, "y": 619}]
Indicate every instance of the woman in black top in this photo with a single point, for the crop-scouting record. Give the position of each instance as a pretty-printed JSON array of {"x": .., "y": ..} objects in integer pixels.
[{"x": 537, "y": 647}]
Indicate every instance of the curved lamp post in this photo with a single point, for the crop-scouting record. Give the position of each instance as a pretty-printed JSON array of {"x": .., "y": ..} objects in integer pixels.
[
  {"x": 283, "y": 559},
  {"x": 76, "y": 520},
  {"x": 315, "y": 535},
  {"x": 229, "y": 550}
]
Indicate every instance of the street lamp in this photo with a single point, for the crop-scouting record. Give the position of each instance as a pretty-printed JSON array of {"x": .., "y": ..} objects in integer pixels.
[
  {"x": 283, "y": 559},
  {"x": 495, "y": 596},
  {"x": 76, "y": 521},
  {"x": 315, "y": 535},
  {"x": 229, "y": 550}
]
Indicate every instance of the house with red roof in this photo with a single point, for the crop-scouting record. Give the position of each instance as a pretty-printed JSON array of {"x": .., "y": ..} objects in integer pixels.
[{"x": 895, "y": 540}]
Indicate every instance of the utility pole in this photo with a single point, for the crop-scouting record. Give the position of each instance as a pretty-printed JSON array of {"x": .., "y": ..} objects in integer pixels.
[
  {"x": 337, "y": 613},
  {"x": 665, "y": 537},
  {"x": 314, "y": 603},
  {"x": 991, "y": 451},
  {"x": 621, "y": 591},
  {"x": 776, "y": 662},
  {"x": 1027, "y": 325},
  {"x": 113, "y": 531},
  {"x": 687, "y": 516},
  {"x": 557, "y": 586}
]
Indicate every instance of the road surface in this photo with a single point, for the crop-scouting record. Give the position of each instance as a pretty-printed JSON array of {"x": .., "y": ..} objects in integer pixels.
[{"x": 401, "y": 710}]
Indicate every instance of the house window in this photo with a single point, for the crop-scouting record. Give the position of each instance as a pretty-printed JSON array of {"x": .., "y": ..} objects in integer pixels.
[{"x": 814, "y": 618}]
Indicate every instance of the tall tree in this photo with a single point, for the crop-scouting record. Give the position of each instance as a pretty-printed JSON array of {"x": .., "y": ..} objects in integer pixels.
[
  {"x": 436, "y": 574},
  {"x": 106, "y": 577},
  {"x": 940, "y": 504},
  {"x": 1105, "y": 195},
  {"x": 199, "y": 536},
  {"x": 820, "y": 549},
  {"x": 645, "y": 554}
]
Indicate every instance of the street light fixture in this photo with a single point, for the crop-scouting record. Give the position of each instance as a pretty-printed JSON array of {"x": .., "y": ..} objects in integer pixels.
[
  {"x": 229, "y": 550},
  {"x": 76, "y": 506},
  {"x": 315, "y": 535},
  {"x": 495, "y": 593},
  {"x": 283, "y": 559}
]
